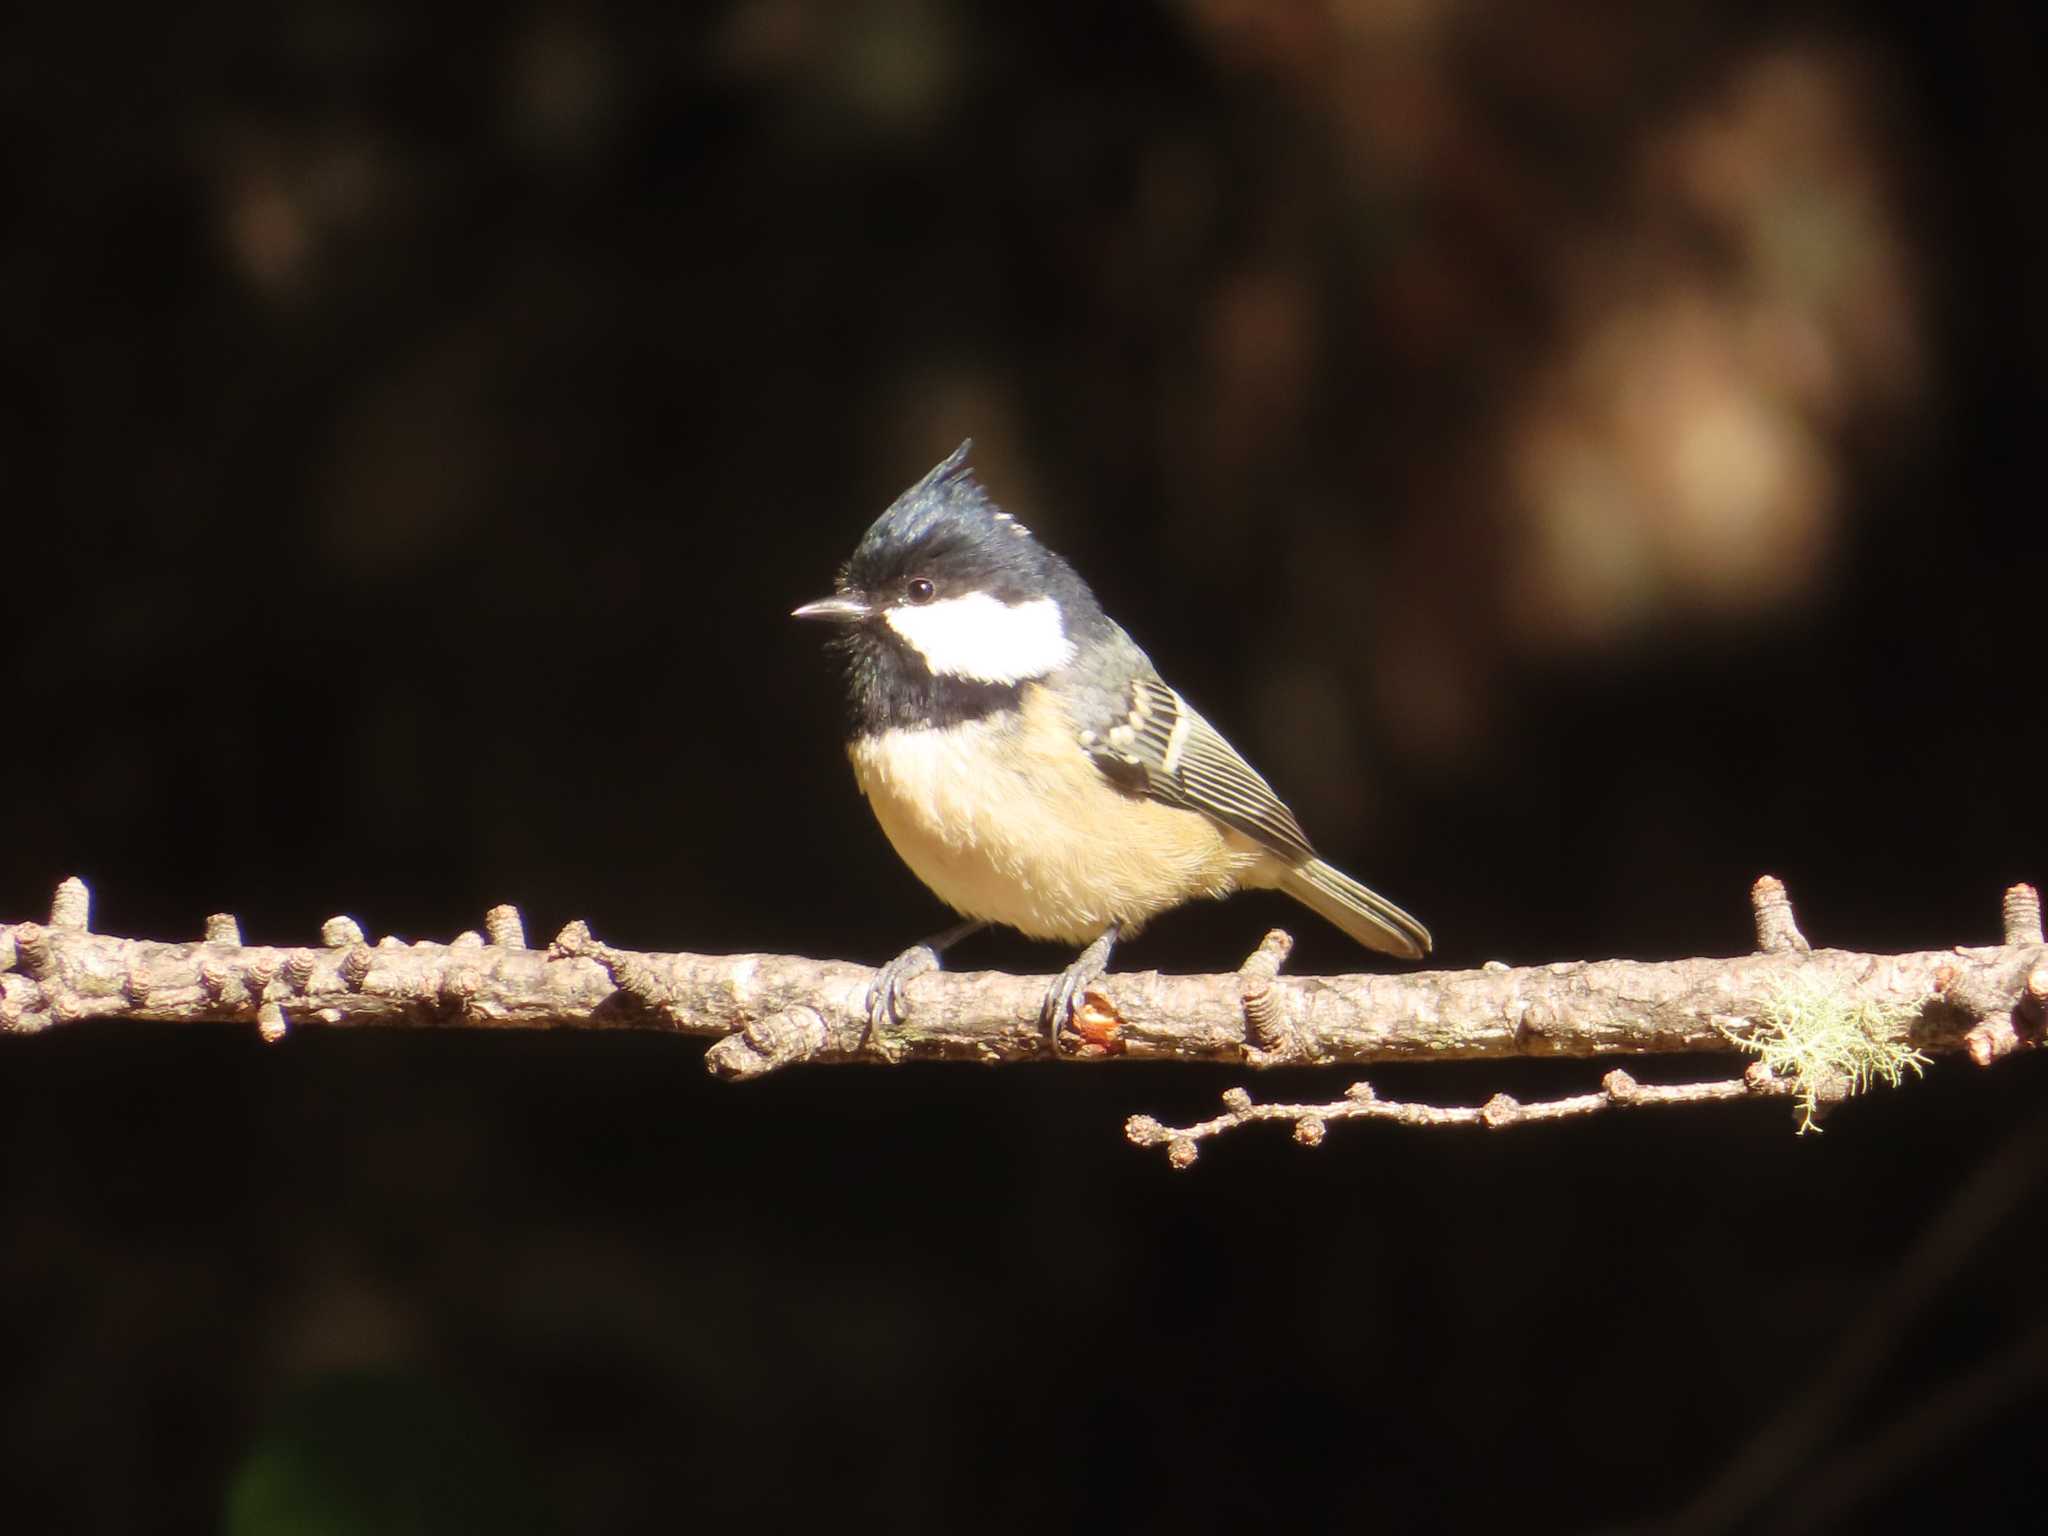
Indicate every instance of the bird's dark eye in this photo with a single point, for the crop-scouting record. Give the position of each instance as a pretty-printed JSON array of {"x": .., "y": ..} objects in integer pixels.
[{"x": 919, "y": 590}]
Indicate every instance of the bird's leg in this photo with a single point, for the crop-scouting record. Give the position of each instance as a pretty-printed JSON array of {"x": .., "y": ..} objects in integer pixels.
[
  {"x": 1068, "y": 986},
  {"x": 885, "y": 1003}
]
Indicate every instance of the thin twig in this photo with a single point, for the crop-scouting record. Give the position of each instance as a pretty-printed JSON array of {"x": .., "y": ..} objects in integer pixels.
[{"x": 1311, "y": 1121}]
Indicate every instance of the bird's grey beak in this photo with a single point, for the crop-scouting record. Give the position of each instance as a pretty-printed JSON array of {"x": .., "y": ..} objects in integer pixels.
[{"x": 840, "y": 610}]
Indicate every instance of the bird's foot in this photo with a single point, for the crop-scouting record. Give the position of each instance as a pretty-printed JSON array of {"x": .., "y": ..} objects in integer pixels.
[
  {"x": 1076, "y": 979},
  {"x": 885, "y": 1002},
  {"x": 885, "y": 992}
]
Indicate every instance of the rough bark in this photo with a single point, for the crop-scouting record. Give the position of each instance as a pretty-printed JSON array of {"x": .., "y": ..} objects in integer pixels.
[{"x": 770, "y": 1011}]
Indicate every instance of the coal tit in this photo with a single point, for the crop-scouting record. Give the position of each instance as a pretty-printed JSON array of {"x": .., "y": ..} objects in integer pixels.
[{"x": 1026, "y": 760}]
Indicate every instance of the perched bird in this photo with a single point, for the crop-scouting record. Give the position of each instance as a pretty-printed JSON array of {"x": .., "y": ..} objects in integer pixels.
[{"x": 1027, "y": 762}]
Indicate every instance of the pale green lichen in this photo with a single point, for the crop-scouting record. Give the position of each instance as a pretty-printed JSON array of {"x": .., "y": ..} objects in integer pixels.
[{"x": 1829, "y": 1045}]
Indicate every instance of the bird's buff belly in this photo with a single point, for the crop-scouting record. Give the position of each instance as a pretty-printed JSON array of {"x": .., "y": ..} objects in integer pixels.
[{"x": 965, "y": 808}]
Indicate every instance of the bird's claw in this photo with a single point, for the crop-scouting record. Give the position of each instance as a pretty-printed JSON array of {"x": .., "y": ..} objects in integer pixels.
[
  {"x": 885, "y": 993},
  {"x": 1059, "y": 1007},
  {"x": 1068, "y": 987}
]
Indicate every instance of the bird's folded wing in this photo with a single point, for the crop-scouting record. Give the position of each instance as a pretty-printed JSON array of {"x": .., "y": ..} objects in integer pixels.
[{"x": 1163, "y": 749}]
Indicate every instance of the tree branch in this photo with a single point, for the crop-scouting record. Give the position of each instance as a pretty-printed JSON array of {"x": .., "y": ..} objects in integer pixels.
[{"x": 771, "y": 1011}]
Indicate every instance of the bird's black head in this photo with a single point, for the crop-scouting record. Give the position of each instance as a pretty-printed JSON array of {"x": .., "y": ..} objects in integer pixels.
[{"x": 951, "y": 606}]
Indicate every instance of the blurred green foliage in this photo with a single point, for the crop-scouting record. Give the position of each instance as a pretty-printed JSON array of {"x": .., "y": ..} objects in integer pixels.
[{"x": 381, "y": 1455}]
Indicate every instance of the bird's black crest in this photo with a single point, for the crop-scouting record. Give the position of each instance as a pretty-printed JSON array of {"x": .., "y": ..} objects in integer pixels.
[
  {"x": 947, "y": 525},
  {"x": 948, "y": 529}
]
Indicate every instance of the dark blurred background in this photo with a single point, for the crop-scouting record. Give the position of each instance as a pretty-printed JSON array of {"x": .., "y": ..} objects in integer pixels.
[{"x": 1581, "y": 451}]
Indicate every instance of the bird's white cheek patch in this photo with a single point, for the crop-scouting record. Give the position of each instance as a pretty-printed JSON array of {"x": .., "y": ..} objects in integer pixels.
[{"x": 984, "y": 640}]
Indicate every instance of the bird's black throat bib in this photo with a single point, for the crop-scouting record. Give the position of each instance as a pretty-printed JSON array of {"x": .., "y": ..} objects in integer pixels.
[{"x": 891, "y": 688}]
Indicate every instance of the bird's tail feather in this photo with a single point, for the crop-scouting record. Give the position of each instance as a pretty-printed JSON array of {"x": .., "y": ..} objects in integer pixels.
[{"x": 1366, "y": 915}]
